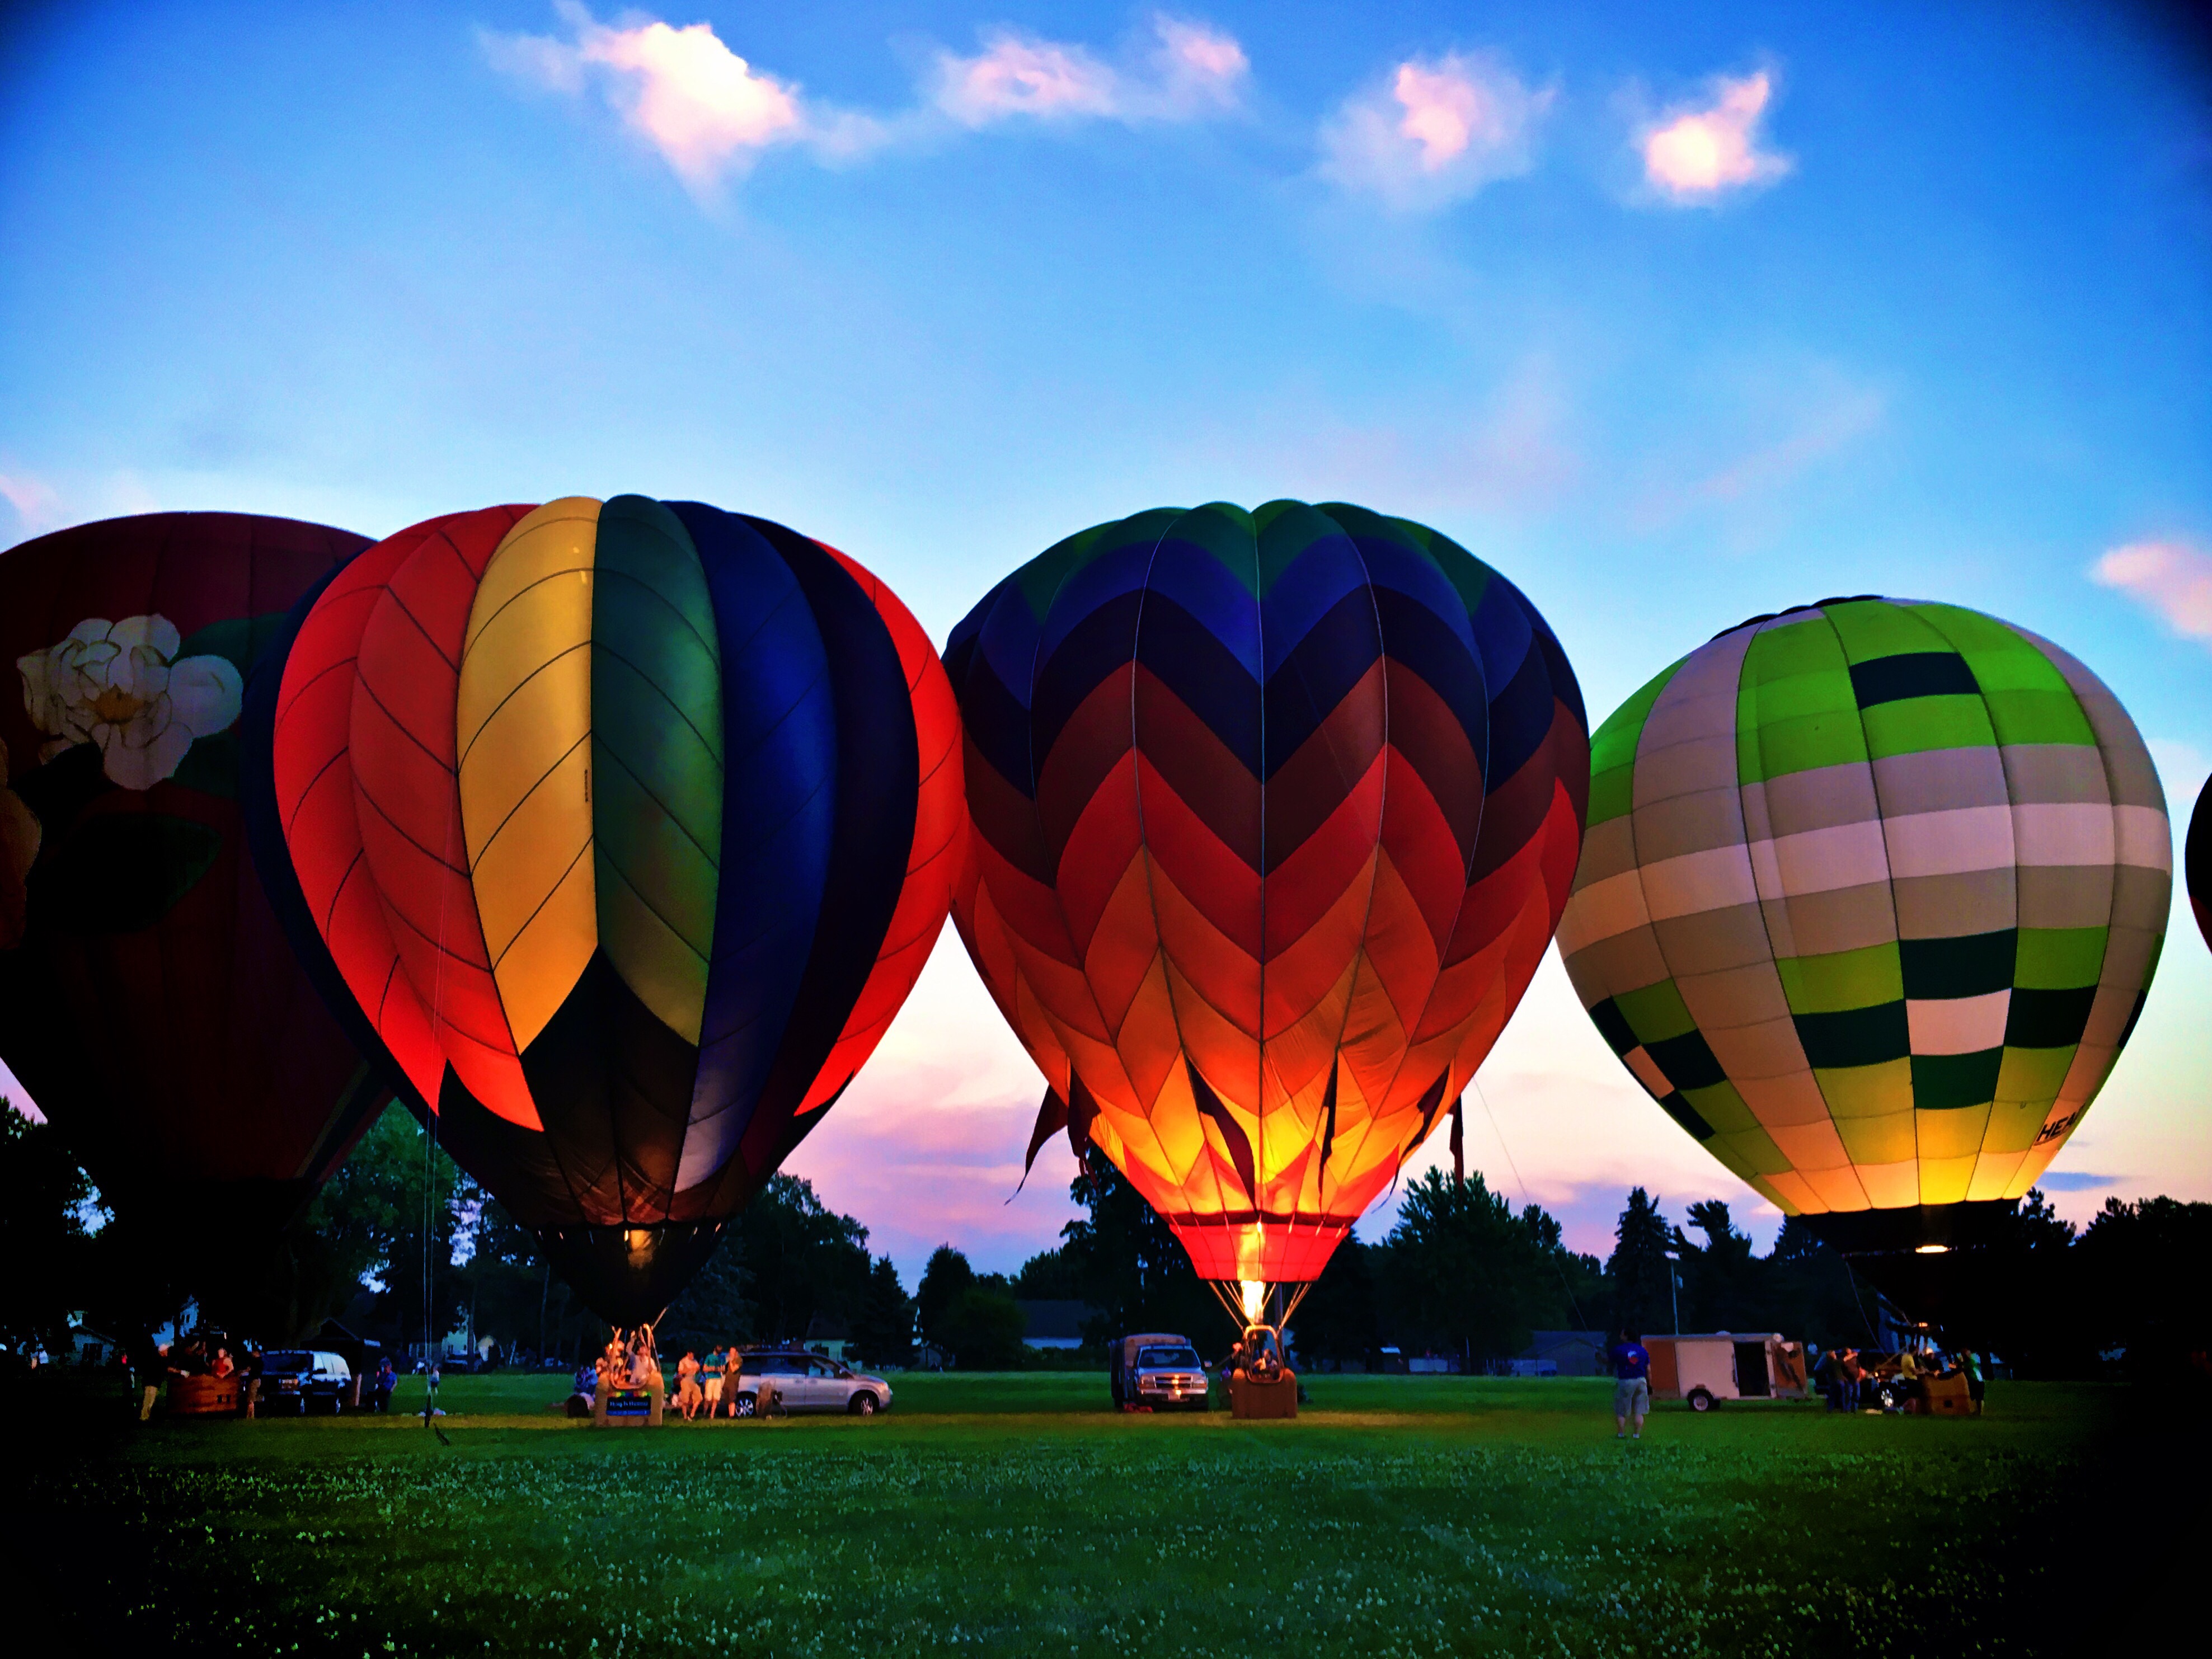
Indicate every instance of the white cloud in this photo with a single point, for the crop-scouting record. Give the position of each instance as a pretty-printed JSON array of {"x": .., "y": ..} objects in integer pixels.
[
  {"x": 1695, "y": 156},
  {"x": 2173, "y": 579},
  {"x": 709, "y": 113},
  {"x": 1191, "y": 71},
  {"x": 1433, "y": 132}
]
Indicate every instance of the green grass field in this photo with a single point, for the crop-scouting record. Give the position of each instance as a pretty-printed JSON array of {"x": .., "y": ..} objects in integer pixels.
[{"x": 1008, "y": 1515}]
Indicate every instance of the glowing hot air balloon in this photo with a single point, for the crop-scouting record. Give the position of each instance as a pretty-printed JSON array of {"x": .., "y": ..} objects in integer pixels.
[
  {"x": 1272, "y": 816},
  {"x": 149, "y": 999},
  {"x": 621, "y": 829},
  {"x": 1872, "y": 894}
]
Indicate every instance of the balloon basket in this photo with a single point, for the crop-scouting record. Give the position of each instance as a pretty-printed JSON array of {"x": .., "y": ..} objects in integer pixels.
[
  {"x": 204, "y": 1397},
  {"x": 1254, "y": 1397}
]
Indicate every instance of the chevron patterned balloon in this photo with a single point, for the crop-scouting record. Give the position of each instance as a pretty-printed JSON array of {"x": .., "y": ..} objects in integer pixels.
[
  {"x": 1872, "y": 894},
  {"x": 1273, "y": 814}
]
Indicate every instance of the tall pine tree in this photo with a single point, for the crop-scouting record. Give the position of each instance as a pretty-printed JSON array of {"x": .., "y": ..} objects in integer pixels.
[{"x": 1638, "y": 1269}]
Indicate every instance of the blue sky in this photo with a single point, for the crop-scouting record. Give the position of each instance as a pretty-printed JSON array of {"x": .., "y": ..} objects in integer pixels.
[{"x": 1672, "y": 321}]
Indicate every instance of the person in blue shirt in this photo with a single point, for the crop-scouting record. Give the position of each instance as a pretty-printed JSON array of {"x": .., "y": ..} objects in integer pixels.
[{"x": 1631, "y": 1387}]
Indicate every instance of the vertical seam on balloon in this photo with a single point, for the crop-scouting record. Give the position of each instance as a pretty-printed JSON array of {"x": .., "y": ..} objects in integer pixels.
[
  {"x": 2012, "y": 811},
  {"x": 1466, "y": 863},
  {"x": 1029, "y": 727},
  {"x": 1260, "y": 1019},
  {"x": 1374, "y": 878},
  {"x": 452, "y": 792},
  {"x": 1759, "y": 901},
  {"x": 1144, "y": 853},
  {"x": 2111, "y": 906},
  {"x": 1889, "y": 881}
]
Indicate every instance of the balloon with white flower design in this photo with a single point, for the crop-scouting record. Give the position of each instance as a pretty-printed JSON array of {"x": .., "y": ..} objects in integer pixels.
[
  {"x": 125, "y": 687},
  {"x": 149, "y": 1001}
]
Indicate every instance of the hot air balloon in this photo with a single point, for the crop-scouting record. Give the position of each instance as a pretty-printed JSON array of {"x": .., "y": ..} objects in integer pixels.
[
  {"x": 619, "y": 831},
  {"x": 2196, "y": 861},
  {"x": 1273, "y": 814},
  {"x": 149, "y": 999},
  {"x": 1872, "y": 893}
]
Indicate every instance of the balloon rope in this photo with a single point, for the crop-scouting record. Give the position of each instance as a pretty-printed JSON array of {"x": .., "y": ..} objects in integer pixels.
[
  {"x": 1230, "y": 1305},
  {"x": 1524, "y": 1186},
  {"x": 429, "y": 1341}
]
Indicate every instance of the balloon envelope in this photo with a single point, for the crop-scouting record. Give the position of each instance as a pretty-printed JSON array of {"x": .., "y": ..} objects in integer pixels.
[
  {"x": 1272, "y": 815},
  {"x": 149, "y": 999},
  {"x": 1872, "y": 894},
  {"x": 2198, "y": 861},
  {"x": 621, "y": 831}
]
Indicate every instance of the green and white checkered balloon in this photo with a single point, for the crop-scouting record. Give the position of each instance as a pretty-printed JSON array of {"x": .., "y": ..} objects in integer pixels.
[{"x": 1872, "y": 893}]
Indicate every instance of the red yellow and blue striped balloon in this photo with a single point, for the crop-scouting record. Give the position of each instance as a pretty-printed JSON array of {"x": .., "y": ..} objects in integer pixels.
[
  {"x": 1272, "y": 815},
  {"x": 619, "y": 831}
]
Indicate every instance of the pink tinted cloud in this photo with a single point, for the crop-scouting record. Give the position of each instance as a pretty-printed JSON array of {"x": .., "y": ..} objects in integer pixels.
[
  {"x": 709, "y": 113},
  {"x": 37, "y": 505},
  {"x": 1694, "y": 156},
  {"x": 2172, "y": 580},
  {"x": 1433, "y": 131},
  {"x": 1016, "y": 76},
  {"x": 1191, "y": 71}
]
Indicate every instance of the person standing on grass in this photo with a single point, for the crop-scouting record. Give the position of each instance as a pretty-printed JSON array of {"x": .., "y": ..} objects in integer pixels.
[
  {"x": 1632, "y": 1383},
  {"x": 152, "y": 1369},
  {"x": 687, "y": 1394}
]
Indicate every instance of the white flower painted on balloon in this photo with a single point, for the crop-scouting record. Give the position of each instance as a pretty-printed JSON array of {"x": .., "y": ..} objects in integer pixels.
[{"x": 120, "y": 685}]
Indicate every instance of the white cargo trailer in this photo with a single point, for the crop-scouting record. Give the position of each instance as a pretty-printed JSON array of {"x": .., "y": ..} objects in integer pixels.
[{"x": 1715, "y": 1365}]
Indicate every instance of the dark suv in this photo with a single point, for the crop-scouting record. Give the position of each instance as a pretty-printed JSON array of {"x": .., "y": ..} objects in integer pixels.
[{"x": 298, "y": 1379}]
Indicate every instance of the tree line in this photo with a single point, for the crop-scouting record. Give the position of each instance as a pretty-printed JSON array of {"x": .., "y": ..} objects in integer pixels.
[{"x": 405, "y": 1245}]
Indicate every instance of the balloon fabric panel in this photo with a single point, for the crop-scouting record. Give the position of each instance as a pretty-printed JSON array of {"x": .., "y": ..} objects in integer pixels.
[
  {"x": 406, "y": 767},
  {"x": 657, "y": 759},
  {"x": 148, "y": 999},
  {"x": 523, "y": 717},
  {"x": 1224, "y": 777},
  {"x": 1871, "y": 896},
  {"x": 876, "y": 782},
  {"x": 780, "y": 727},
  {"x": 939, "y": 843}
]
